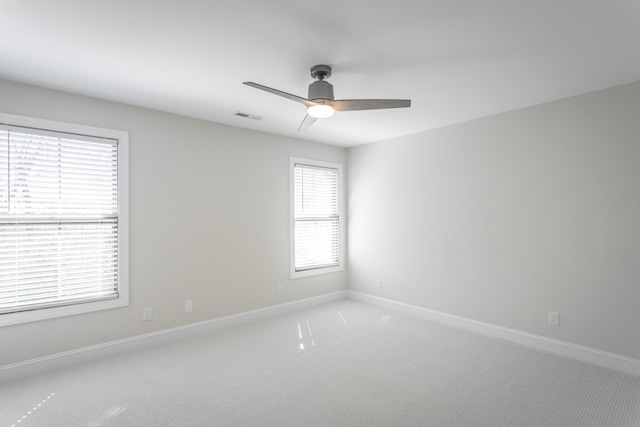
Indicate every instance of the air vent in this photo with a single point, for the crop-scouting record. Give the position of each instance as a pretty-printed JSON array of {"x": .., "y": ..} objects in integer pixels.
[{"x": 248, "y": 116}]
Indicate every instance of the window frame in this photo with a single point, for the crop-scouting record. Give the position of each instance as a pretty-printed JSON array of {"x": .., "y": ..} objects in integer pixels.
[
  {"x": 122, "y": 300},
  {"x": 341, "y": 220}
]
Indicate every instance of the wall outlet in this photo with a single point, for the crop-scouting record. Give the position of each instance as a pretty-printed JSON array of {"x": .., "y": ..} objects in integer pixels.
[
  {"x": 188, "y": 306},
  {"x": 554, "y": 318},
  {"x": 280, "y": 289},
  {"x": 379, "y": 283},
  {"x": 147, "y": 313}
]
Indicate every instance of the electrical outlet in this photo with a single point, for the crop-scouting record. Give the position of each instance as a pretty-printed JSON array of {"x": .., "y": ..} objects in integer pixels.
[
  {"x": 147, "y": 313},
  {"x": 379, "y": 283},
  {"x": 554, "y": 318},
  {"x": 280, "y": 289},
  {"x": 188, "y": 306}
]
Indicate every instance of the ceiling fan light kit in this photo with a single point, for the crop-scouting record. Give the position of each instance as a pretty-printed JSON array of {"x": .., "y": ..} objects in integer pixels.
[
  {"x": 320, "y": 111},
  {"x": 320, "y": 102}
]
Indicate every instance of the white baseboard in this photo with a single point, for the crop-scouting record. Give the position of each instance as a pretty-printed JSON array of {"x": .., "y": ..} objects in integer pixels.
[
  {"x": 585, "y": 354},
  {"x": 85, "y": 354}
]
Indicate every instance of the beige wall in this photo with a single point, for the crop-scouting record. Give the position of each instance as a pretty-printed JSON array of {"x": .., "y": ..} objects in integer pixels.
[
  {"x": 499, "y": 220},
  {"x": 505, "y": 218},
  {"x": 208, "y": 222}
]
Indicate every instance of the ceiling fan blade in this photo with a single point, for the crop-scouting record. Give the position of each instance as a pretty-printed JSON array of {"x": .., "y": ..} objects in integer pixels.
[
  {"x": 280, "y": 93},
  {"x": 369, "y": 104},
  {"x": 307, "y": 122}
]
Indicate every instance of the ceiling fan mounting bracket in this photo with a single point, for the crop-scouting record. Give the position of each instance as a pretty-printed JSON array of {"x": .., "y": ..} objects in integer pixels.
[{"x": 321, "y": 72}]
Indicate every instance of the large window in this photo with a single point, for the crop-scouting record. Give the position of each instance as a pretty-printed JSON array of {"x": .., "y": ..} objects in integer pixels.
[
  {"x": 316, "y": 217},
  {"x": 63, "y": 219}
]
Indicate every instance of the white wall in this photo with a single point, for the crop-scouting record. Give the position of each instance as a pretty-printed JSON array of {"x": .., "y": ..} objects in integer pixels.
[
  {"x": 505, "y": 218},
  {"x": 208, "y": 222}
]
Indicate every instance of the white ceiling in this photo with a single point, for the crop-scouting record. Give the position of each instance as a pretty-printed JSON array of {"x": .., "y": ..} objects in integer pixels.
[{"x": 456, "y": 59}]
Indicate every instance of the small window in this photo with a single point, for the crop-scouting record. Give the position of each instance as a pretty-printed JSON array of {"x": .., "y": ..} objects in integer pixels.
[
  {"x": 63, "y": 219},
  {"x": 316, "y": 217}
]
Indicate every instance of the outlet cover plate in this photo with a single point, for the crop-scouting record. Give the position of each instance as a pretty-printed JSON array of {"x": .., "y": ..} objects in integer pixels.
[{"x": 554, "y": 318}]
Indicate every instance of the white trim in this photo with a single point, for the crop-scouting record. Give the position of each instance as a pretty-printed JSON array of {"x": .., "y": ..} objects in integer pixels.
[
  {"x": 86, "y": 354},
  {"x": 54, "y": 125},
  {"x": 562, "y": 348},
  {"x": 123, "y": 220},
  {"x": 341, "y": 238}
]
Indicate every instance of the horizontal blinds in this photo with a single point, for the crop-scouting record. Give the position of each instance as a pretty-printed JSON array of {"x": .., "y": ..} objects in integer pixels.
[
  {"x": 316, "y": 220},
  {"x": 58, "y": 219},
  {"x": 45, "y": 175}
]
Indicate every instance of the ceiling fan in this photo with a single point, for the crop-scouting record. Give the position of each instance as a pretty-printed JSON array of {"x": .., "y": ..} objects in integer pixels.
[{"x": 320, "y": 103}]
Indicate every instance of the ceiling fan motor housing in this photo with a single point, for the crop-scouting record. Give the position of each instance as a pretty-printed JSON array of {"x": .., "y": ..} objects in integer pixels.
[{"x": 320, "y": 90}]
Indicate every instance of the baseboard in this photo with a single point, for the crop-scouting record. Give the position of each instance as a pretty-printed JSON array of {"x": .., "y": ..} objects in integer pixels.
[
  {"x": 85, "y": 354},
  {"x": 585, "y": 354}
]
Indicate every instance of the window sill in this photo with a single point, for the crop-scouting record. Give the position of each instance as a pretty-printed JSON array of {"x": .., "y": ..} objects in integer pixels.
[
  {"x": 53, "y": 312},
  {"x": 316, "y": 272}
]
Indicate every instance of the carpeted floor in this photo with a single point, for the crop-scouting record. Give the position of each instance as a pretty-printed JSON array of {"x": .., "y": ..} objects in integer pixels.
[{"x": 340, "y": 364}]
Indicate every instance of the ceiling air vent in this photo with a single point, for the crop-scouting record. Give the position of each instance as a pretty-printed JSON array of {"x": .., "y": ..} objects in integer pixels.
[{"x": 248, "y": 116}]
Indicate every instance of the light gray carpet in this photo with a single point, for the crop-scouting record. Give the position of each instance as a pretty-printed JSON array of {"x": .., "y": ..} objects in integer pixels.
[{"x": 340, "y": 364}]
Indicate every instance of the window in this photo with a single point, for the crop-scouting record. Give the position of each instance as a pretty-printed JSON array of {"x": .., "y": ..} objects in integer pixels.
[
  {"x": 316, "y": 217},
  {"x": 63, "y": 219}
]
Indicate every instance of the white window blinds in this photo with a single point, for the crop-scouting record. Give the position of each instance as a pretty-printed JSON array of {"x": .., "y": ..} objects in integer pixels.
[
  {"x": 316, "y": 217},
  {"x": 58, "y": 219}
]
